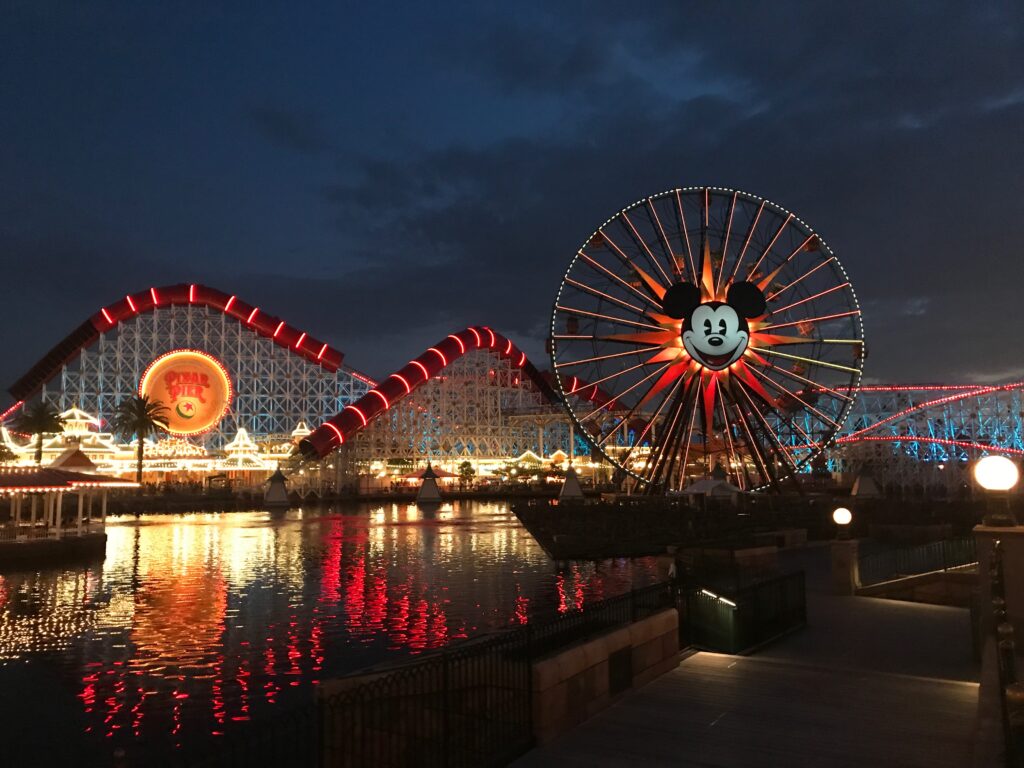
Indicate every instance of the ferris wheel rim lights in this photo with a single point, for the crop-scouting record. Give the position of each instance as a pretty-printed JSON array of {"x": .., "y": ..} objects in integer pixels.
[{"x": 681, "y": 261}]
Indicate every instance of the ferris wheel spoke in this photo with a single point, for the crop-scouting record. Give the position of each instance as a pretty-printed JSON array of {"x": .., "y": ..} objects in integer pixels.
[
  {"x": 639, "y": 351},
  {"x": 771, "y": 297},
  {"x": 603, "y": 295},
  {"x": 805, "y": 380},
  {"x": 652, "y": 421},
  {"x": 818, "y": 295},
  {"x": 669, "y": 441},
  {"x": 666, "y": 438},
  {"x": 764, "y": 253},
  {"x": 795, "y": 396},
  {"x": 725, "y": 242},
  {"x": 642, "y": 243},
  {"x": 657, "y": 339},
  {"x": 604, "y": 270},
  {"x": 686, "y": 236},
  {"x": 657, "y": 289},
  {"x": 773, "y": 439},
  {"x": 734, "y": 462},
  {"x": 746, "y": 241},
  {"x": 683, "y": 433},
  {"x": 811, "y": 320},
  {"x": 609, "y": 377},
  {"x": 636, "y": 406},
  {"x": 626, "y": 392},
  {"x": 808, "y": 360},
  {"x": 653, "y": 212},
  {"x": 752, "y": 444},
  {"x": 689, "y": 434},
  {"x": 609, "y": 318}
]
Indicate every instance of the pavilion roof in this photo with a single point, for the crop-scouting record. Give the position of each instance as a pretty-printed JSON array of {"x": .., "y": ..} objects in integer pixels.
[{"x": 44, "y": 479}]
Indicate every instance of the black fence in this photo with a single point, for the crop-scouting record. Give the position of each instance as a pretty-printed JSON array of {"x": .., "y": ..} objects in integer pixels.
[
  {"x": 924, "y": 558},
  {"x": 743, "y": 619},
  {"x": 1011, "y": 692},
  {"x": 471, "y": 705}
]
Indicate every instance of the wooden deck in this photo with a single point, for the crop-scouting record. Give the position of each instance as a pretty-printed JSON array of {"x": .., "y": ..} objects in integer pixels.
[{"x": 718, "y": 711}]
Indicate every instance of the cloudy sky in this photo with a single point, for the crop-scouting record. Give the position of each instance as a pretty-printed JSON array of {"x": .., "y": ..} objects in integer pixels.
[{"x": 382, "y": 174}]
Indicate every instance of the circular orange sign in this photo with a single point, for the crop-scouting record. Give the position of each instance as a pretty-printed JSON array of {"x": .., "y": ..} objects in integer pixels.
[{"x": 193, "y": 386}]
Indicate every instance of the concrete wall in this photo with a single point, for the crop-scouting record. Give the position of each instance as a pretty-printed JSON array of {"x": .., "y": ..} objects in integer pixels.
[{"x": 578, "y": 682}]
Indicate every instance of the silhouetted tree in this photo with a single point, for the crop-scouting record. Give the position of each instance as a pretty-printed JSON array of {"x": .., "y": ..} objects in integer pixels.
[
  {"x": 140, "y": 417},
  {"x": 39, "y": 419}
]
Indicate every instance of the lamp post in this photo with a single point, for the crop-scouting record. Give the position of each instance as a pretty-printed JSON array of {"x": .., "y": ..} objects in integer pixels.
[
  {"x": 997, "y": 474},
  {"x": 842, "y": 517}
]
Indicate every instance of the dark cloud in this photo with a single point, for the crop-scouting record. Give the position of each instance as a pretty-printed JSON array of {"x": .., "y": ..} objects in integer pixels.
[
  {"x": 893, "y": 129},
  {"x": 299, "y": 131}
]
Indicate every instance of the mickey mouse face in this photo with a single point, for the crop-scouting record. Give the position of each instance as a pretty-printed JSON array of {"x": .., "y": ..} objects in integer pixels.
[{"x": 715, "y": 333}]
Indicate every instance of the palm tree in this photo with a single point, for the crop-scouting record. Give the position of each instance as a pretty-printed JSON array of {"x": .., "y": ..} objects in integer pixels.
[
  {"x": 141, "y": 417},
  {"x": 39, "y": 419},
  {"x": 6, "y": 454}
]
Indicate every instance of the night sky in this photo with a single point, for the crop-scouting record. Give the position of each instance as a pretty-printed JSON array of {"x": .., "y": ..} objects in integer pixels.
[{"x": 384, "y": 174}]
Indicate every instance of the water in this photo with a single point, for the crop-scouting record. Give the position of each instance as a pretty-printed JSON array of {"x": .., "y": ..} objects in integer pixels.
[{"x": 196, "y": 624}]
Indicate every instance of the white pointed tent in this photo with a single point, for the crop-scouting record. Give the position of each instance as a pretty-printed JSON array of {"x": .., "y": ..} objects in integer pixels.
[
  {"x": 571, "y": 489},
  {"x": 428, "y": 492}
]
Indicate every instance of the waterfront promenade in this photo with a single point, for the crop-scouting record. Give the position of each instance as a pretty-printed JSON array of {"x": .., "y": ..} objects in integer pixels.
[{"x": 869, "y": 682}]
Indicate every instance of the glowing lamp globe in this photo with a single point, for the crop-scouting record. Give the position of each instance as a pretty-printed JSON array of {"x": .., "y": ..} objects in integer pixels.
[
  {"x": 842, "y": 516},
  {"x": 996, "y": 473}
]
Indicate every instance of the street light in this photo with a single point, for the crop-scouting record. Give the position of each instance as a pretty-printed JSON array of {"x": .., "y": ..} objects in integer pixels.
[
  {"x": 842, "y": 517},
  {"x": 997, "y": 474}
]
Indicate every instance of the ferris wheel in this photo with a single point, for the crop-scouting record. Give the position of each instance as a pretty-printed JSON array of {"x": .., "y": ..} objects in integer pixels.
[{"x": 706, "y": 332}]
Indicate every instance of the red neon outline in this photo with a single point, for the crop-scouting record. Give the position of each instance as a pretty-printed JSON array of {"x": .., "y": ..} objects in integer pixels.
[
  {"x": 278, "y": 329},
  {"x": 199, "y": 295},
  {"x": 361, "y": 416},
  {"x": 508, "y": 349},
  {"x": 476, "y": 335},
  {"x": 493, "y": 342},
  {"x": 931, "y": 441},
  {"x": 418, "y": 364},
  {"x": 302, "y": 338},
  {"x": 317, "y": 443},
  {"x": 322, "y": 350},
  {"x": 12, "y": 409},
  {"x": 462, "y": 347},
  {"x": 341, "y": 437}
]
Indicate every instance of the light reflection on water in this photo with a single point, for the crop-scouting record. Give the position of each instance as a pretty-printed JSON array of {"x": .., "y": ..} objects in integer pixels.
[{"x": 197, "y": 622}]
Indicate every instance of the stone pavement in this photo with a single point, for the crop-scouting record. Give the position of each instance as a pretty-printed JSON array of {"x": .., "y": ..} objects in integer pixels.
[{"x": 869, "y": 682}]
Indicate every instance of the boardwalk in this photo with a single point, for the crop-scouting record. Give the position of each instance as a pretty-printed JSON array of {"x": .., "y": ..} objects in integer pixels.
[{"x": 748, "y": 712}]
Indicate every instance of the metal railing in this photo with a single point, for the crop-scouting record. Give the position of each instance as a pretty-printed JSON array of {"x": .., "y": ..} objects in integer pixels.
[
  {"x": 924, "y": 558},
  {"x": 1011, "y": 691},
  {"x": 26, "y": 532},
  {"x": 743, "y": 619},
  {"x": 469, "y": 705}
]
